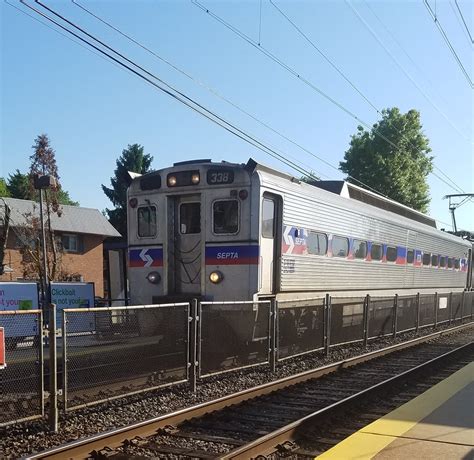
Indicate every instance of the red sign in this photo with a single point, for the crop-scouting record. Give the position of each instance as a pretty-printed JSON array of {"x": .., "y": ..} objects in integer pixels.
[{"x": 2, "y": 348}]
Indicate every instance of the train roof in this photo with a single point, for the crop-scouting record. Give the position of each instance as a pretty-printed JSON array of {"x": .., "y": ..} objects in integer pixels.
[{"x": 348, "y": 190}]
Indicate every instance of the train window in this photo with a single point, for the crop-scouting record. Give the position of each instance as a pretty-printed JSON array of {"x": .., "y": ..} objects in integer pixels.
[
  {"x": 146, "y": 221},
  {"x": 226, "y": 216},
  {"x": 450, "y": 262},
  {"x": 410, "y": 256},
  {"x": 457, "y": 264},
  {"x": 442, "y": 262},
  {"x": 268, "y": 218},
  {"x": 340, "y": 246},
  {"x": 317, "y": 243},
  {"x": 391, "y": 254},
  {"x": 434, "y": 260},
  {"x": 376, "y": 252},
  {"x": 190, "y": 218},
  {"x": 359, "y": 249},
  {"x": 426, "y": 258}
]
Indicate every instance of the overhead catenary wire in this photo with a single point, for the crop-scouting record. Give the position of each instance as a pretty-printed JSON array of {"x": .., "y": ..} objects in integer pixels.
[
  {"x": 166, "y": 88},
  {"x": 398, "y": 64},
  {"x": 463, "y": 21},
  {"x": 137, "y": 73},
  {"x": 334, "y": 66},
  {"x": 448, "y": 43},
  {"x": 197, "y": 81},
  {"x": 296, "y": 74}
]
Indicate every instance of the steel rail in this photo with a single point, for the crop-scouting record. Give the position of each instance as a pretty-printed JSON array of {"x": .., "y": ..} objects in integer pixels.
[
  {"x": 267, "y": 444},
  {"x": 82, "y": 448}
]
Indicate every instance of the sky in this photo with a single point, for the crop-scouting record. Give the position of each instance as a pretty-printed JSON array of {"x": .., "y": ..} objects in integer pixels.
[{"x": 92, "y": 109}]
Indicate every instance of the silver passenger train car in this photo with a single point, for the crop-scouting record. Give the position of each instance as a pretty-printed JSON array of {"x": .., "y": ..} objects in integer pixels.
[{"x": 223, "y": 231}]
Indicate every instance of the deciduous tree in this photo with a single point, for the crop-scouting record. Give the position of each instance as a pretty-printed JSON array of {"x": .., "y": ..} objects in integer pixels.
[
  {"x": 392, "y": 158},
  {"x": 132, "y": 159}
]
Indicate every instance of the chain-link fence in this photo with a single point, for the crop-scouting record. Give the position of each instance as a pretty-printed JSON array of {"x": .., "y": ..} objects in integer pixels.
[
  {"x": 469, "y": 305},
  {"x": 117, "y": 351},
  {"x": 456, "y": 306},
  {"x": 406, "y": 313},
  {"x": 427, "y": 315},
  {"x": 381, "y": 317},
  {"x": 21, "y": 380},
  {"x": 300, "y": 327},
  {"x": 347, "y": 320},
  {"x": 233, "y": 335}
]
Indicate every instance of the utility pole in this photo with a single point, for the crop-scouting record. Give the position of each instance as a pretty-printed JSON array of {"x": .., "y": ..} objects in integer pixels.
[
  {"x": 41, "y": 183},
  {"x": 453, "y": 206}
]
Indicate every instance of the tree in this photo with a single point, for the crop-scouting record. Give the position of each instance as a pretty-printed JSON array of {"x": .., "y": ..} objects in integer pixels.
[
  {"x": 397, "y": 169},
  {"x": 132, "y": 159},
  {"x": 19, "y": 186},
  {"x": 3, "y": 188}
]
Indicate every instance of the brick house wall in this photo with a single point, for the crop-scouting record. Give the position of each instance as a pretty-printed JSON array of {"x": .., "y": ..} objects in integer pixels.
[{"x": 87, "y": 262}]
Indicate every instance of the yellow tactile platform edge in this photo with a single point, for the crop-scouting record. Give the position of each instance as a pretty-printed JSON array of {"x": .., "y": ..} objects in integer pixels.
[{"x": 364, "y": 445}]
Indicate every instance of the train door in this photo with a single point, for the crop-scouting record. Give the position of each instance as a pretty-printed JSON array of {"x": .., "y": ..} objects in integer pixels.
[
  {"x": 269, "y": 243},
  {"x": 187, "y": 244}
]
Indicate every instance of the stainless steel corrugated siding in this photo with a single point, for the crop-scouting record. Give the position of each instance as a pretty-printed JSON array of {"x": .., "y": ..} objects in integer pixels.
[{"x": 312, "y": 208}]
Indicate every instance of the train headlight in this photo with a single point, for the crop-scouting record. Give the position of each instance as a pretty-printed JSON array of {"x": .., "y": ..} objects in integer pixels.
[
  {"x": 153, "y": 277},
  {"x": 216, "y": 277},
  {"x": 172, "y": 181},
  {"x": 195, "y": 179}
]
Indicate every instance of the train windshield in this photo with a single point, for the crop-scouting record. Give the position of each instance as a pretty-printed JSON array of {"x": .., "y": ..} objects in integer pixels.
[{"x": 226, "y": 216}]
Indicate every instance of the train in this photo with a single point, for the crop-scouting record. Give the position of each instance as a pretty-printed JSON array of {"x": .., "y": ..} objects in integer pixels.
[{"x": 220, "y": 231}]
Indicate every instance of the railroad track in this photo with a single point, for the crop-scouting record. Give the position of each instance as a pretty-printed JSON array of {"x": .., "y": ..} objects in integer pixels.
[{"x": 254, "y": 421}]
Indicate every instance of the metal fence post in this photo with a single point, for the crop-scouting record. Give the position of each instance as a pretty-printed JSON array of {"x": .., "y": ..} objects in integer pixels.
[
  {"x": 41, "y": 359},
  {"x": 366, "y": 319},
  {"x": 450, "y": 307},
  {"x": 471, "y": 295},
  {"x": 273, "y": 334},
  {"x": 327, "y": 324},
  {"x": 64, "y": 343},
  {"x": 417, "y": 319},
  {"x": 194, "y": 317},
  {"x": 395, "y": 315},
  {"x": 53, "y": 370}
]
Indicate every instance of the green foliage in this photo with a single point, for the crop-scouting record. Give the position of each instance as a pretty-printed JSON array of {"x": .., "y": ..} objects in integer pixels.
[
  {"x": 64, "y": 198},
  {"x": 19, "y": 186},
  {"x": 3, "y": 188},
  {"x": 132, "y": 159},
  {"x": 397, "y": 172}
]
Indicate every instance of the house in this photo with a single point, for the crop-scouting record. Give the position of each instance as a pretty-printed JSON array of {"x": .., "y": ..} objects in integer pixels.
[{"x": 81, "y": 232}]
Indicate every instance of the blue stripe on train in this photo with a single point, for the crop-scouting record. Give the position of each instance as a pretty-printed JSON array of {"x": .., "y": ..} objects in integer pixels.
[{"x": 232, "y": 255}]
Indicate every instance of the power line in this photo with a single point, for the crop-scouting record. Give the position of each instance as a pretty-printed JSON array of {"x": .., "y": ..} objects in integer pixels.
[
  {"x": 172, "y": 92},
  {"x": 326, "y": 58},
  {"x": 448, "y": 43},
  {"x": 397, "y": 63},
  {"x": 296, "y": 74},
  {"x": 197, "y": 81},
  {"x": 463, "y": 20},
  {"x": 413, "y": 62},
  {"x": 300, "y": 31}
]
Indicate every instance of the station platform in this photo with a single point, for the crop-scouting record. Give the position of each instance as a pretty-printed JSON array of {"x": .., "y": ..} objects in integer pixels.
[{"x": 438, "y": 424}]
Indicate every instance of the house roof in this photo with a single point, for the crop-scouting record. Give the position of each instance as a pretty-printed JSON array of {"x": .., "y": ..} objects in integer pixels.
[{"x": 74, "y": 219}]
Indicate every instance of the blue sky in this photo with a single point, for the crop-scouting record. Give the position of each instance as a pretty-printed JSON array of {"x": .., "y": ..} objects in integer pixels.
[{"x": 91, "y": 109}]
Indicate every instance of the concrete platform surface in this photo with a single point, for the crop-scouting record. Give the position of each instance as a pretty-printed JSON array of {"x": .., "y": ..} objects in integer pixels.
[{"x": 438, "y": 424}]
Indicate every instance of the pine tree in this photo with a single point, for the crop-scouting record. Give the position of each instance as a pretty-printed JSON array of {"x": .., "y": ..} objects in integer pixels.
[{"x": 132, "y": 159}]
